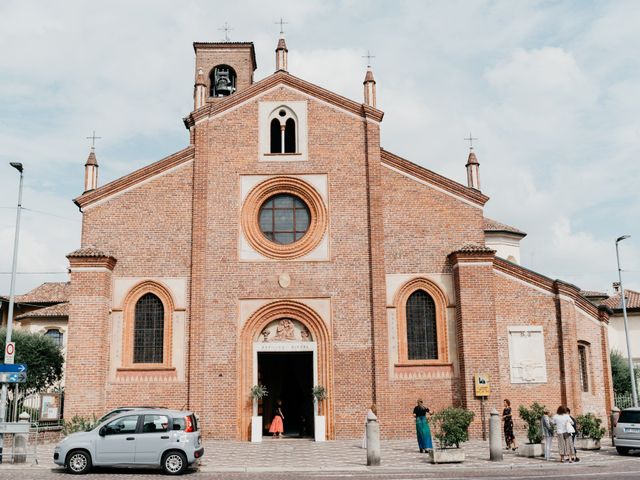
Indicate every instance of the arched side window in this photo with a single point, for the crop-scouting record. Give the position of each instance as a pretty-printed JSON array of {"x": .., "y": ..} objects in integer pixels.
[
  {"x": 148, "y": 330},
  {"x": 222, "y": 81},
  {"x": 283, "y": 131},
  {"x": 276, "y": 137},
  {"x": 583, "y": 364},
  {"x": 421, "y": 316},
  {"x": 148, "y": 313},
  {"x": 290, "y": 136},
  {"x": 422, "y": 334},
  {"x": 55, "y": 335}
]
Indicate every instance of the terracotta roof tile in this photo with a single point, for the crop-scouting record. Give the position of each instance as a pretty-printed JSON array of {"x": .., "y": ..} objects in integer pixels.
[
  {"x": 48, "y": 292},
  {"x": 615, "y": 302},
  {"x": 58, "y": 310},
  {"x": 88, "y": 251},
  {"x": 491, "y": 225},
  {"x": 474, "y": 247},
  {"x": 593, "y": 293}
]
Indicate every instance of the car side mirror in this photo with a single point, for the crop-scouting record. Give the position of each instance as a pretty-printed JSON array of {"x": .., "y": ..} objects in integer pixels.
[{"x": 103, "y": 431}]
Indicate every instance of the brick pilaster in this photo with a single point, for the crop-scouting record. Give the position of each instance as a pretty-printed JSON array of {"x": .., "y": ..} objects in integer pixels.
[
  {"x": 477, "y": 335},
  {"x": 87, "y": 360},
  {"x": 379, "y": 334},
  {"x": 568, "y": 342}
]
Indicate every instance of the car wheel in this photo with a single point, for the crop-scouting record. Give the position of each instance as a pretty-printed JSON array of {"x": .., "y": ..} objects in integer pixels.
[
  {"x": 78, "y": 462},
  {"x": 623, "y": 450},
  {"x": 174, "y": 463}
]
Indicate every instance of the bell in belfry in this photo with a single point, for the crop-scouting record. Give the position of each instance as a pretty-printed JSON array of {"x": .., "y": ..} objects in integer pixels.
[{"x": 224, "y": 82}]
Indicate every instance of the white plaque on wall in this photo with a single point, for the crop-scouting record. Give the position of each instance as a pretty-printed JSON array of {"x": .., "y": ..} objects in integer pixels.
[{"x": 527, "y": 355}]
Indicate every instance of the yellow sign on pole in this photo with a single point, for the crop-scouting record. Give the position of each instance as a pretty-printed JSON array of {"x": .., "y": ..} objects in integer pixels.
[{"x": 483, "y": 388}]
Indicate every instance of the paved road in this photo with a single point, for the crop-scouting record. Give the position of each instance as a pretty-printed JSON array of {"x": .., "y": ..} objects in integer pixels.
[{"x": 300, "y": 459}]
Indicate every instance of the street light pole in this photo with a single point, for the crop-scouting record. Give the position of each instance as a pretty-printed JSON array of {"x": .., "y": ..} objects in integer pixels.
[
  {"x": 3, "y": 396},
  {"x": 634, "y": 393}
]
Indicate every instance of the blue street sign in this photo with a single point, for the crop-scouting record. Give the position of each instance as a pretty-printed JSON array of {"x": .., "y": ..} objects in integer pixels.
[
  {"x": 6, "y": 377},
  {"x": 12, "y": 367}
]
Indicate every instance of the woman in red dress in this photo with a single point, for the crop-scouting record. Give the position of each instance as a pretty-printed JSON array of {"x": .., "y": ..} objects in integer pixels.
[{"x": 277, "y": 427}]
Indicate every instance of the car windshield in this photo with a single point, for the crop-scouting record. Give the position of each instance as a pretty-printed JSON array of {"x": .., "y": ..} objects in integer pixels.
[
  {"x": 629, "y": 416},
  {"x": 108, "y": 416}
]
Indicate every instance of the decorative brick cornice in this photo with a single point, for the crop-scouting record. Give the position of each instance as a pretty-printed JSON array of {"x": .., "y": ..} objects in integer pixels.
[
  {"x": 229, "y": 46},
  {"x": 604, "y": 313},
  {"x": 524, "y": 274},
  {"x": 429, "y": 176},
  {"x": 557, "y": 287},
  {"x": 135, "y": 177},
  {"x": 91, "y": 257},
  {"x": 472, "y": 252},
  {"x": 282, "y": 78}
]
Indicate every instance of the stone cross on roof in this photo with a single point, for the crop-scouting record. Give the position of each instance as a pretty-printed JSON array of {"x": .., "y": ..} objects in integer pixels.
[
  {"x": 93, "y": 139},
  {"x": 471, "y": 138},
  {"x": 368, "y": 56},
  {"x": 226, "y": 29},
  {"x": 282, "y": 23}
]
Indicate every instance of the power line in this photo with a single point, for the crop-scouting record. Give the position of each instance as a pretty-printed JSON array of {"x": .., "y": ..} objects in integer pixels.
[
  {"x": 43, "y": 213},
  {"x": 34, "y": 273}
]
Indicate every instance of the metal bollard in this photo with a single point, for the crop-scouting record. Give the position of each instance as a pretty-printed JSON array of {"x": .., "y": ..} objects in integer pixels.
[
  {"x": 373, "y": 443},
  {"x": 495, "y": 437},
  {"x": 615, "y": 414}
]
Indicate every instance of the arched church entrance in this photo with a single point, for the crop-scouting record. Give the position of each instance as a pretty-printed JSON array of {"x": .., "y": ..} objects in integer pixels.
[{"x": 287, "y": 350}]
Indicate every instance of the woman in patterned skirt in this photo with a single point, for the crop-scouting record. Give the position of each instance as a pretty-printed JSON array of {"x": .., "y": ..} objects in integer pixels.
[
  {"x": 277, "y": 426},
  {"x": 423, "y": 432}
]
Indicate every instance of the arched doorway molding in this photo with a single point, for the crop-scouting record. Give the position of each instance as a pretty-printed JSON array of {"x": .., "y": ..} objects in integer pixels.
[{"x": 250, "y": 344}]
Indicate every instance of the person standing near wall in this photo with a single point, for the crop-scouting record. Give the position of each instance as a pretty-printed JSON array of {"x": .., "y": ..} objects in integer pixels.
[
  {"x": 547, "y": 432},
  {"x": 575, "y": 432},
  {"x": 277, "y": 424},
  {"x": 507, "y": 418},
  {"x": 423, "y": 432},
  {"x": 563, "y": 425}
]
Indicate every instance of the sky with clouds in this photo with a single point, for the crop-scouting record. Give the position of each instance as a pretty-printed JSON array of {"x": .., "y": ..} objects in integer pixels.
[{"x": 551, "y": 90}]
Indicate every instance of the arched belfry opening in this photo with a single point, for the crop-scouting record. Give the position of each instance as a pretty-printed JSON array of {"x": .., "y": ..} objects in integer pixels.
[
  {"x": 283, "y": 131},
  {"x": 222, "y": 80}
]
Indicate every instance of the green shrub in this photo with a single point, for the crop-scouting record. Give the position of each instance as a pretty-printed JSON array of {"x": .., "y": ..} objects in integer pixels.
[
  {"x": 451, "y": 426},
  {"x": 532, "y": 416},
  {"x": 589, "y": 426},
  {"x": 78, "y": 424},
  {"x": 319, "y": 393},
  {"x": 259, "y": 391}
]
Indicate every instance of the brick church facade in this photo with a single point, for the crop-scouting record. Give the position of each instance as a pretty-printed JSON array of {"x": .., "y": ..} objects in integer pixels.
[{"x": 284, "y": 247}]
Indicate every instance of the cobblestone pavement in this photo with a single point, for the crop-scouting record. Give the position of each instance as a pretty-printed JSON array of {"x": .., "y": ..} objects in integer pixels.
[{"x": 346, "y": 456}]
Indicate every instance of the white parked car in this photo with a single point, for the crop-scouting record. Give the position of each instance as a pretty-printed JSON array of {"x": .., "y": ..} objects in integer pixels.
[
  {"x": 169, "y": 439},
  {"x": 626, "y": 433}
]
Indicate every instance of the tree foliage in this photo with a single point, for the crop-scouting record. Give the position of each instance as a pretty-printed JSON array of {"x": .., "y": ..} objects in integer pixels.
[
  {"x": 620, "y": 373},
  {"x": 42, "y": 356},
  {"x": 532, "y": 417}
]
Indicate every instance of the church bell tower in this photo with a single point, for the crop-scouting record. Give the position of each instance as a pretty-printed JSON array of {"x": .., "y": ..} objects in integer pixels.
[{"x": 222, "y": 69}]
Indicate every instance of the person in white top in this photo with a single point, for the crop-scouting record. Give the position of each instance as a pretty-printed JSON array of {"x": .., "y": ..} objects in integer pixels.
[{"x": 564, "y": 429}]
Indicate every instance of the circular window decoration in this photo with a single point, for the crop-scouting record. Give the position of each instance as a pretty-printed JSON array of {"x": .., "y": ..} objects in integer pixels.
[{"x": 284, "y": 218}]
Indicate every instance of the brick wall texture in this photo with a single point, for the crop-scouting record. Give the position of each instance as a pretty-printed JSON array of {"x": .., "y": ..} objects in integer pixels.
[{"x": 184, "y": 222}]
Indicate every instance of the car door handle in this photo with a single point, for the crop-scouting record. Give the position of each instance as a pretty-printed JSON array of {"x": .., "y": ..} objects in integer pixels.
[
  {"x": 165, "y": 437},
  {"x": 131, "y": 438}
]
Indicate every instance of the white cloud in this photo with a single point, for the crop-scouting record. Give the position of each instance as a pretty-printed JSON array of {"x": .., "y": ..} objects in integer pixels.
[{"x": 551, "y": 90}]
